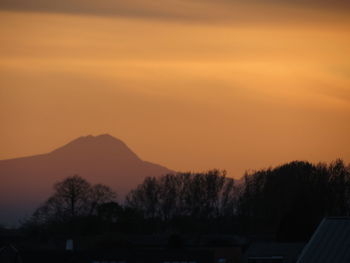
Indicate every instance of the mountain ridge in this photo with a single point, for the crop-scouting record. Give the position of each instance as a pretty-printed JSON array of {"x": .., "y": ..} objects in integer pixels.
[{"x": 27, "y": 181}]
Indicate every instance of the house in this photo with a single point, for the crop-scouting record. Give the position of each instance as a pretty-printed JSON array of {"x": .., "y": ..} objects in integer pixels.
[{"x": 330, "y": 243}]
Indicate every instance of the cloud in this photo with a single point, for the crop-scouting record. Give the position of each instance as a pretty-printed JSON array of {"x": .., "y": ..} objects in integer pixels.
[
  {"x": 207, "y": 10},
  {"x": 135, "y": 8}
]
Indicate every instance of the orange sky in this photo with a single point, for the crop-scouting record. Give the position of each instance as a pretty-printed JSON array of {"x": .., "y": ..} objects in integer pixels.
[{"x": 191, "y": 85}]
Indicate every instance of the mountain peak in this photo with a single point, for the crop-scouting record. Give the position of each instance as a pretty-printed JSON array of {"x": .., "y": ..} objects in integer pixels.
[
  {"x": 99, "y": 159},
  {"x": 97, "y": 146},
  {"x": 98, "y": 138}
]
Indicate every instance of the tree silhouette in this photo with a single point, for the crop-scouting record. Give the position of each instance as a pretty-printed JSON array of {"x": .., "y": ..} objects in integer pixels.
[
  {"x": 286, "y": 202},
  {"x": 291, "y": 199},
  {"x": 99, "y": 194},
  {"x": 198, "y": 195},
  {"x": 73, "y": 196}
]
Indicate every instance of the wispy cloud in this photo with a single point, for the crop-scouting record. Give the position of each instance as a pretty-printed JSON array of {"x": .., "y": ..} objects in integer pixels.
[{"x": 194, "y": 10}]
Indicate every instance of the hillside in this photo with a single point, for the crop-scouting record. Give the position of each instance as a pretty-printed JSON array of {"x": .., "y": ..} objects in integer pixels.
[{"x": 28, "y": 181}]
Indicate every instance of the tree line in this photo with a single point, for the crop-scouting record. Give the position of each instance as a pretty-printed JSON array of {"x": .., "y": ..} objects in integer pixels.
[{"x": 286, "y": 202}]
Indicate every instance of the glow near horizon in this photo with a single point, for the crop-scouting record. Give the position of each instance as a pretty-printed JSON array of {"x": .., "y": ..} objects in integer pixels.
[{"x": 190, "y": 95}]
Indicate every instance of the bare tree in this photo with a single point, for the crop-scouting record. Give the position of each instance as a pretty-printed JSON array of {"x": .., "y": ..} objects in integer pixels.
[
  {"x": 73, "y": 193},
  {"x": 197, "y": 195},
  {"x": 98, "y": 195},
  {"x": 73, "y": 196}
]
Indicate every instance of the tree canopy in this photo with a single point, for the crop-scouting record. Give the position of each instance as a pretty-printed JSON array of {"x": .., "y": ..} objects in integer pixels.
[
  {"x": 73, "y": 197},
  {"x": 286, "y": 202}
]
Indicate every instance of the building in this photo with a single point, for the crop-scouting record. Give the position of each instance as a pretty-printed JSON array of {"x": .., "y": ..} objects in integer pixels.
[{"x": 330, "y": 243}]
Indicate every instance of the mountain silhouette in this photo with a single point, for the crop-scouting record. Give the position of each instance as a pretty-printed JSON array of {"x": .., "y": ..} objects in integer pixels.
[{"x": 27, "y": 182}]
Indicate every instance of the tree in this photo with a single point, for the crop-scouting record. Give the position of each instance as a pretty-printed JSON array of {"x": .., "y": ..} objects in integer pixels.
[
  {"x": 146, "y": 197},
  {"x": 98, "y": 195},
  {"x": 109, "y": 211},
  {"x": 291, "y": 199},
  {"x": 73, "y": 197},
  {"x": 197, "y": 195},
  {"x": 73, "y": 194}
]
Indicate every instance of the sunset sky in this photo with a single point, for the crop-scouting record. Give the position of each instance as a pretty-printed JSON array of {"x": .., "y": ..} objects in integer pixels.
[{"x": 188, "y": 84}]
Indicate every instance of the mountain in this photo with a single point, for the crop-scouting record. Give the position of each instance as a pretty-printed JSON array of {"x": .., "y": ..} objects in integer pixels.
[{"x": 27, "y": 182}]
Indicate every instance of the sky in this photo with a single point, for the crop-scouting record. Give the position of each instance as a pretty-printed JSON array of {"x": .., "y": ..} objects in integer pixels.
[{"x": 191, "y": 85}]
